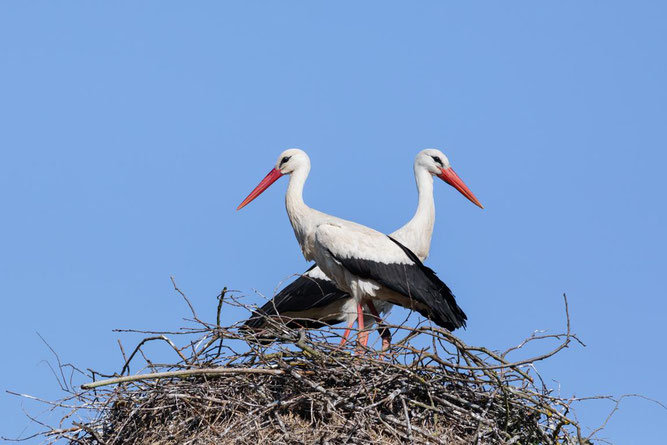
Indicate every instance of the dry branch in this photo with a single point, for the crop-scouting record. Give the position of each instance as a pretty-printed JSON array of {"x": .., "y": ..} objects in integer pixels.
[{"x": 228, "y": 388}]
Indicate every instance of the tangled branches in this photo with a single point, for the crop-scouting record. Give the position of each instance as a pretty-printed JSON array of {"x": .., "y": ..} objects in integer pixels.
[{"x": 227, "y": 387}]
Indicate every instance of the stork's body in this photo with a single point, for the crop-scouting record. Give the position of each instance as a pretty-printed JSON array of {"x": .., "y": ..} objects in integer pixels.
[
  {"x": 312, "y": 300},
  {"x": 361, "y": 261}
]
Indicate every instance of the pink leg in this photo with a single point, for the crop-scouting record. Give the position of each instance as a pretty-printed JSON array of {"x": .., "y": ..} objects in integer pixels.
[
  {"x": 346, "y": 334},
  {"x": 363, "y": 335}
]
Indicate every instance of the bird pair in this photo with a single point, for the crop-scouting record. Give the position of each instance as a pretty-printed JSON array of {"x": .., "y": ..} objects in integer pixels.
[{"x": 359, "y": 272}]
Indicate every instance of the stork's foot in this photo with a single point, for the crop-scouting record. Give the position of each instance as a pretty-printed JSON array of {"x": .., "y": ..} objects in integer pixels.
[
  {"x": 385, "y": 334},
  {"x": 362, "y": 342},
  {"x": 386, "y": 344}
]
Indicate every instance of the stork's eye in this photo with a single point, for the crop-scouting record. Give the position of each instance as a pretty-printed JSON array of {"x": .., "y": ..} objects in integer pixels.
[
  {"x": 437, "y": 159},
  {"x": 283, "y": 160}
]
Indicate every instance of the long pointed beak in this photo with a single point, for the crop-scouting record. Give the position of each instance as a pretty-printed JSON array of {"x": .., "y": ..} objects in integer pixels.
[
  {"x": 266, "y": 182},
  {"x": 450, "y": 177}
]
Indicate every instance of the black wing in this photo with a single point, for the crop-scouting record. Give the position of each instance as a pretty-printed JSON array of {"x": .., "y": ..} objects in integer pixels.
[
  {"x": 303, "y": 294},
  {"x": 425, "y": 292}
]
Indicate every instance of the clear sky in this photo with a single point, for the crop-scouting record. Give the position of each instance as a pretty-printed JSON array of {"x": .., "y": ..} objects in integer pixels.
[{"x": 130, "y": 131}]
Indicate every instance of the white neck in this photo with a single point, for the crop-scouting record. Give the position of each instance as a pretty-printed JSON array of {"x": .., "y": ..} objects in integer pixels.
[
  {"x": 300, "y": 215},
  {"x": 417, "y": 233}
]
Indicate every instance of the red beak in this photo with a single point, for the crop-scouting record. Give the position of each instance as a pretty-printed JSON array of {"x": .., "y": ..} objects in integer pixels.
[
  {"x": 450, "y": 177},
  {"x": 266, "y": 182}
]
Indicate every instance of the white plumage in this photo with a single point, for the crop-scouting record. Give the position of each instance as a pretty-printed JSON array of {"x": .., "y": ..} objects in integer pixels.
[{"x": 366, "y": 263}]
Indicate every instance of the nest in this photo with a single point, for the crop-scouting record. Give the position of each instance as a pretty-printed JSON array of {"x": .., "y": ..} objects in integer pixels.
[{"x": 227, "y": 387}]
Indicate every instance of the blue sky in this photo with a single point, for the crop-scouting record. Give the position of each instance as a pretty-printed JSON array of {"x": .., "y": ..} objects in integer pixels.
[{"x": 130, "y": 133}]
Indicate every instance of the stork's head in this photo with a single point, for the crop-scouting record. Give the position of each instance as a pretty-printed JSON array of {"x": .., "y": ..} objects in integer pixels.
[
  {"x": 288, "y": 162},
  {"x": 433, "y": 160},
  {"x": 291, "y": 160},
  {"x": 437, "y": 164}
]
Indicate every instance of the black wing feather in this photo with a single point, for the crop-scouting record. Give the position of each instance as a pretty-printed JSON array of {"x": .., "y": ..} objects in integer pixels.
[
  {"x": 418, "y": 282},
  {"x": 302, "y": 294}
]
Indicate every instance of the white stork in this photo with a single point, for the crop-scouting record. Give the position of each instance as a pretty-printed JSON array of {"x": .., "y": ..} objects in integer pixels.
[
  {"x": 359, "y": 260},
  {"x": 312, "y": 300}
]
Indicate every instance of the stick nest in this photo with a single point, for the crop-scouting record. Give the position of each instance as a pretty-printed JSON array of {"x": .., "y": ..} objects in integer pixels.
[{"x": 226, "y": 387}]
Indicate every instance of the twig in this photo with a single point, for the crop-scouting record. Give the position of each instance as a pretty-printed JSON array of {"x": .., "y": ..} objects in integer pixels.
[
  {"x": 221, "y": 299},
  {"x": 192, "y": 309},
  {"x": 207, "y": 372},
  {"x": 302, "y": 387}
]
